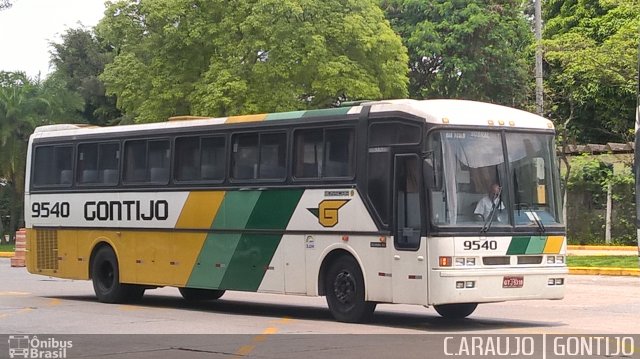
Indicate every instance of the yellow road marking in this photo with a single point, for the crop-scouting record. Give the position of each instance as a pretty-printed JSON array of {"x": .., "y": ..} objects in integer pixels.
[
  {"x": 53, "y": 302},
  {"x": 247, "y": 349},
  {"x": 21, "y": 311}
]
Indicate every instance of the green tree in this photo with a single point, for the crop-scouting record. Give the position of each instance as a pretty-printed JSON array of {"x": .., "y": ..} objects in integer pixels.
[
  {"x": 223, "y": 57},
  {"x": 24, "y": 105},
  {"x": 472, "y": 49},
  {"x": 591, "y": 62},
  {"x": 78, "y": 61}
]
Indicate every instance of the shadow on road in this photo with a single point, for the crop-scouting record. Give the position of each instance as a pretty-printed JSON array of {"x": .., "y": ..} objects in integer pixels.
[{"x": 429, "y": 323}]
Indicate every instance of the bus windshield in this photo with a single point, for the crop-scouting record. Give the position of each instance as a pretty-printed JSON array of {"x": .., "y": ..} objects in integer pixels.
[{"x": 494, "y": 180}]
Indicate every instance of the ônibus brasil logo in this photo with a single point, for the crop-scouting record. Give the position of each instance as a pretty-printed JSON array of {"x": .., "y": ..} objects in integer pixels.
[{"x": 24, "y": 346}]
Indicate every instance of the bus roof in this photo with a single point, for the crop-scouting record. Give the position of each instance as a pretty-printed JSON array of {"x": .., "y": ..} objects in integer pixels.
[{"x": 445, "y": 112}]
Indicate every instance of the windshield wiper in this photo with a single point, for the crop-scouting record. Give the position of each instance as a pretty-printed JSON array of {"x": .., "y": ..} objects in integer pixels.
[
  {"x": 534, "y": 215},
  {"x": 492, "y": 214}
]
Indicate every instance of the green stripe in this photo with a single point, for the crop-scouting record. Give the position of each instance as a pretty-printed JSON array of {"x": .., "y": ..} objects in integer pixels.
[
  {"x": 518, "y": 245},
  {"x": 328, "y": 112},
  {"x": 255, "y": 251},
  {"x": 536, "y": 245},
  {"x": 218, "y": 248},
  {"x": 285, "y": 115}
]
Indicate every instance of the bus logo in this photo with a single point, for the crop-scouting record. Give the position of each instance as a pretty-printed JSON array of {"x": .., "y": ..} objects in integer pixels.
[
  {"x": 327, "y": 211},
  {"x": 19, "y": 346}
]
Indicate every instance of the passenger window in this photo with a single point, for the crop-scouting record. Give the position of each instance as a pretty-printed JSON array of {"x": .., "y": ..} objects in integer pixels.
[
  {"x": 339, "y": 152},
  {"x": 98, "y": 163},
  {"x": 213, "y": 158},
  {"x": 259, "y": 156},
  {"x": 200, "y": 159},
  {"x": 272, "y": 155},
  {"x": 324, "y": 153},
  {"x": 147, "y": 161},
  {"x": 245, "y": 156},
  {"x": 53, "y": 166}
]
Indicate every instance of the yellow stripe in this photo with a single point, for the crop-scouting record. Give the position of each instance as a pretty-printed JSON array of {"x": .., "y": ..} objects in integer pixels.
[
  {"x": 200, "y": 209},
  {"x": 553, "y": 245},
  {"x": 247, "y": 118}
]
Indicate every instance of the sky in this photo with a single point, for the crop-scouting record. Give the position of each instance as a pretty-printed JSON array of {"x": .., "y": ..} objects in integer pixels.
[{"x": 27, "y": 28}]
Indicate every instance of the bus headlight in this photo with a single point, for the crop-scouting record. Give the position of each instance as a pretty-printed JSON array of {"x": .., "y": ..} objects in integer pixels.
[{"x": 551, "y": 260}]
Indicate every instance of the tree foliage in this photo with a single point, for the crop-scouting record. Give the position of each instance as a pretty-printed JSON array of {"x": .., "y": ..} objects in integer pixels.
[
  {"x": 591, "y": 49},
  {"x": 24, "y": 105},
  {"x": 78, "y": 61},
  {"x": 223, "y": 57},
  {"x": 472, "y": 49}
]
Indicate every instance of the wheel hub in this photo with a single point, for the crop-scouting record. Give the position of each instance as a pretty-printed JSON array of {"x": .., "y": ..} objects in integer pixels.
[{"x": 344, "y": 287}]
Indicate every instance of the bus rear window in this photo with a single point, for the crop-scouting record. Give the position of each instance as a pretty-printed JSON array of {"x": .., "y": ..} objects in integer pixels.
[{"x": 53, "y": 166}]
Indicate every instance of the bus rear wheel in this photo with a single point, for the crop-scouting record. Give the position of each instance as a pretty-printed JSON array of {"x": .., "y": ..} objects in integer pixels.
[
  {"x": 105, "y": 275},
  {"x": 455, "y": 311},
  {"x": 344, "y": 288},
  {"x": 200, "y": 295}
]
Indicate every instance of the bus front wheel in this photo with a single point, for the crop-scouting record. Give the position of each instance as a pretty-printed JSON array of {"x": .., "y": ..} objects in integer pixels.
[
  {"x": 200, "y": 295},
  {"x": 344, "y": 288},
  {"x": 105, "y": 275},
  {"x": 455, "y": 311}
]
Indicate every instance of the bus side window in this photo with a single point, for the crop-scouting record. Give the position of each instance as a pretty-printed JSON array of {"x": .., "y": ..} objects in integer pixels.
[
  {"x": 339, "y": 153},
  {"x": 245, "y": 156},
  {"x": 53, "y": 166},
  {"x": 212, "y": 158},
  {"x": 308, "y": 153},
  {"x": 324, "y": 153}
]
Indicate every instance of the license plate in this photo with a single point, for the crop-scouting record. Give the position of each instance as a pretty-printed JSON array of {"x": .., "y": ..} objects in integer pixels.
[{"x": 512, "y": 282}]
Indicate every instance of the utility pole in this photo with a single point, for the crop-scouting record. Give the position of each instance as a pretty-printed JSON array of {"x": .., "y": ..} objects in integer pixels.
[{"x": 538, "y": 32}]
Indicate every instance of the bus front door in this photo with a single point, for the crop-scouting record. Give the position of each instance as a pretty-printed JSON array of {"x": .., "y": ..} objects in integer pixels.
[{"x": 409, "y": 268}]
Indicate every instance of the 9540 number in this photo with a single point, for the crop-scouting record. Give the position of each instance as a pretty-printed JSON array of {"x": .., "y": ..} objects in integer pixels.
[
  {"x": 49, "y": 209},
  {"x": 478, "y": 245}
]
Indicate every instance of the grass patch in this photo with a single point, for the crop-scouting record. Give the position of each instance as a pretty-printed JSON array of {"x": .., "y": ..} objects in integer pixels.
[
  {"x": 603, "y": 261},
  {"x": 7, "y": 247}
]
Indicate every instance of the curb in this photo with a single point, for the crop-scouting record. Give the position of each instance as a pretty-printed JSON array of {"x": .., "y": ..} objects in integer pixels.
[
  {"x": 634, "y": 272},
  {"x": 6, "y": 254},
  {"x": 602, "y": 248}
]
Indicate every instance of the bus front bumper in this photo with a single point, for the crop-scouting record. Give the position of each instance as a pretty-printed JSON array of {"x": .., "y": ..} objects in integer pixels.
[{"x": 496, "y": 285}]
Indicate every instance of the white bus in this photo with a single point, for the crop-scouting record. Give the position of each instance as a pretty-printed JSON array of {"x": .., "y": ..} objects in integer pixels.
[{"x": 375, "y": 202}]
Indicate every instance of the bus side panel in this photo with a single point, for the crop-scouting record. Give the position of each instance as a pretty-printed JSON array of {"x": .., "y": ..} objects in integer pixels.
[
  {"x": 54, "y": 253},
  {"x": 341, "y": 214}
]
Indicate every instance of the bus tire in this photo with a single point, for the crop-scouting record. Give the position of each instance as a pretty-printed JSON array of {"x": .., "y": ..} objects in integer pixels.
[
  {"x": 345, "y": 292},
  {"x": 200, "y": 295},
  {"x": 455, "y": 311},
  {"x": 105, "y": 275}
]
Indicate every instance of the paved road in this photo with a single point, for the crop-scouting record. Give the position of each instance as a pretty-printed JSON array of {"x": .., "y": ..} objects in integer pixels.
[{"x": 35, "y": 304}]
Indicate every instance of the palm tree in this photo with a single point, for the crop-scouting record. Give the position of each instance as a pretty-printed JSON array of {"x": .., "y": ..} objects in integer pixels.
[{"x": 24, "y": 105}]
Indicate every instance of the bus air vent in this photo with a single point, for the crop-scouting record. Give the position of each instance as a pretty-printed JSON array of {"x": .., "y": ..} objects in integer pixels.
[
  {"x": 496, "y": 261},
  {"x": 47, "y": 249},
  {"x": 529, "y": 259}
]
